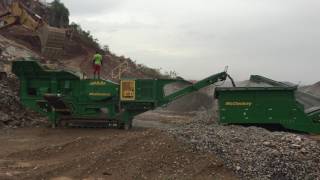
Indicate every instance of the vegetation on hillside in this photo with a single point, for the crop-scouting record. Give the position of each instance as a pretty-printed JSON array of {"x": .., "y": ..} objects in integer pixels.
[
  {"x": 59, "y": 17},
  {"x": 58, "y": 14},
  {"x": 86, "y": 36},
  {"x": 156, "y": 73}
]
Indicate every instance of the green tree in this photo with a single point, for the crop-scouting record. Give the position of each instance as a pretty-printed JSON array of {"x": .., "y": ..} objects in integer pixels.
[
  {"x": 59, "y": 14},
  {"x": 86, "y": 36}
]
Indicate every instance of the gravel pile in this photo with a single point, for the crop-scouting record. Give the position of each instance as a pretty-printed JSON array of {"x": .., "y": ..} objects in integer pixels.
[
  {"x": 12, "y": 113},
  {"x": 252, "y": 152},
  {"x": 190, "y": 102},
  {"x": 313, "y": 89}
]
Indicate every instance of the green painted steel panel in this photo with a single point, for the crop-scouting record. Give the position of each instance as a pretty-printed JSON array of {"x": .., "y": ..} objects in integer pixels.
[{"x": 272, "y": 105}]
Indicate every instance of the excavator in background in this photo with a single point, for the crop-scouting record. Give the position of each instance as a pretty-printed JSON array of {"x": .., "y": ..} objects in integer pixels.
[{"x": 52, "y": 39}]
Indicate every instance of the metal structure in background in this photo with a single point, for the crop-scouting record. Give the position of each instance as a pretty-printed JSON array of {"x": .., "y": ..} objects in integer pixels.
[
  {"x": 117, "y": 72},
  {"x": 52, "y": 39},
  {"x": 276, "y": 105},
  {"x": 67, "y": 99}
]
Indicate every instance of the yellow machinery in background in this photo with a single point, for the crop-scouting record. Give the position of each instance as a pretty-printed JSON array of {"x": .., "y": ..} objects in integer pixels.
[{"x": 52, "y": 39}]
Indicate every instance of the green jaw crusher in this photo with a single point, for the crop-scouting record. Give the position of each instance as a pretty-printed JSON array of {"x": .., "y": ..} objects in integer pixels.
[{"x": 69, "y": 100}]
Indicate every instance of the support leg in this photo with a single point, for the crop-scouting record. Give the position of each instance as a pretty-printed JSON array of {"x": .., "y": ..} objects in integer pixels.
[{"x": 126, "y": 120}]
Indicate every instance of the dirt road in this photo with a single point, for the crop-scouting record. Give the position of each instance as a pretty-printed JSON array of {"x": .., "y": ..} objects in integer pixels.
[{"x": 43, "y": 153}]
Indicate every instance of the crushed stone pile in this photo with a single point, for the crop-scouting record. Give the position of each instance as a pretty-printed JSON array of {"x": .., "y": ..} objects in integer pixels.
[
  {"x": 191, "y": 102},
  {"x": 253, "y": 152},
  {"x": 249, "y": 83},
  {"x": 313, "y": 89},
  {"x": 12, "y": 113}
]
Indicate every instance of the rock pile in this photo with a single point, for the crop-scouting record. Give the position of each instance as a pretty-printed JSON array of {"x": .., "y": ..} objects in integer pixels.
[
  {"x": 190, "y": 102},
  {"x": 12, "y": 113},
  {"x": 313, "y": 89},
  {"x": 10, "y": 50},
  {"x": 252, "y": 152}
]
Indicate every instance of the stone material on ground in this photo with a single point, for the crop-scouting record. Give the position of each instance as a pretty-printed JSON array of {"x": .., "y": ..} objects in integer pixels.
[
  {"x": 253, "y": 152},
  {"x": 12, "y": 113}
]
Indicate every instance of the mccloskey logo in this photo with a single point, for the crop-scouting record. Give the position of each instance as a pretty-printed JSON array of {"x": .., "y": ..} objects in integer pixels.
[{"x": 236, "y": 103}]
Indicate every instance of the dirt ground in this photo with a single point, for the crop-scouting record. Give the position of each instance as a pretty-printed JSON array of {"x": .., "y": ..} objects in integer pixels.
[
  {"x": 74, "y": 153},
  {"x": 162, "y": 119}
]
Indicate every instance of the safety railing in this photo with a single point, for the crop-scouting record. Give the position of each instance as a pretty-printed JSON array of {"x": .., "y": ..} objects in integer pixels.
[{"x": 117, "y": 72}]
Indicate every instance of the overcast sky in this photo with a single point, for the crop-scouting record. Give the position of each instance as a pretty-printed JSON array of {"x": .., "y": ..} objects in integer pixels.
[{"x": 279, "y": 39}]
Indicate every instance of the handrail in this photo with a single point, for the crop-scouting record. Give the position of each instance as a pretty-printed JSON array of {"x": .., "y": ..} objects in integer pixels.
[{"x": 119, "y": 70}]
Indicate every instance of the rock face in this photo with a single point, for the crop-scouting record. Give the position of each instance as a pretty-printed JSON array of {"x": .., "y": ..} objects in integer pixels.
[
  {"x": 10, "y": 51},
  {"x": 252, "y": 152},
  {"x": 12, "y": 113}
]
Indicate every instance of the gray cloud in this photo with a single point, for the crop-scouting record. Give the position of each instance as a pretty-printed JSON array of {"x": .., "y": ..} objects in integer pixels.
[{"x": 276, "y": 38}]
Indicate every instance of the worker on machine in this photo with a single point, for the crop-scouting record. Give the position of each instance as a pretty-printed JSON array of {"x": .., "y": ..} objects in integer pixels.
[{"x": 97, "y": 63}]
